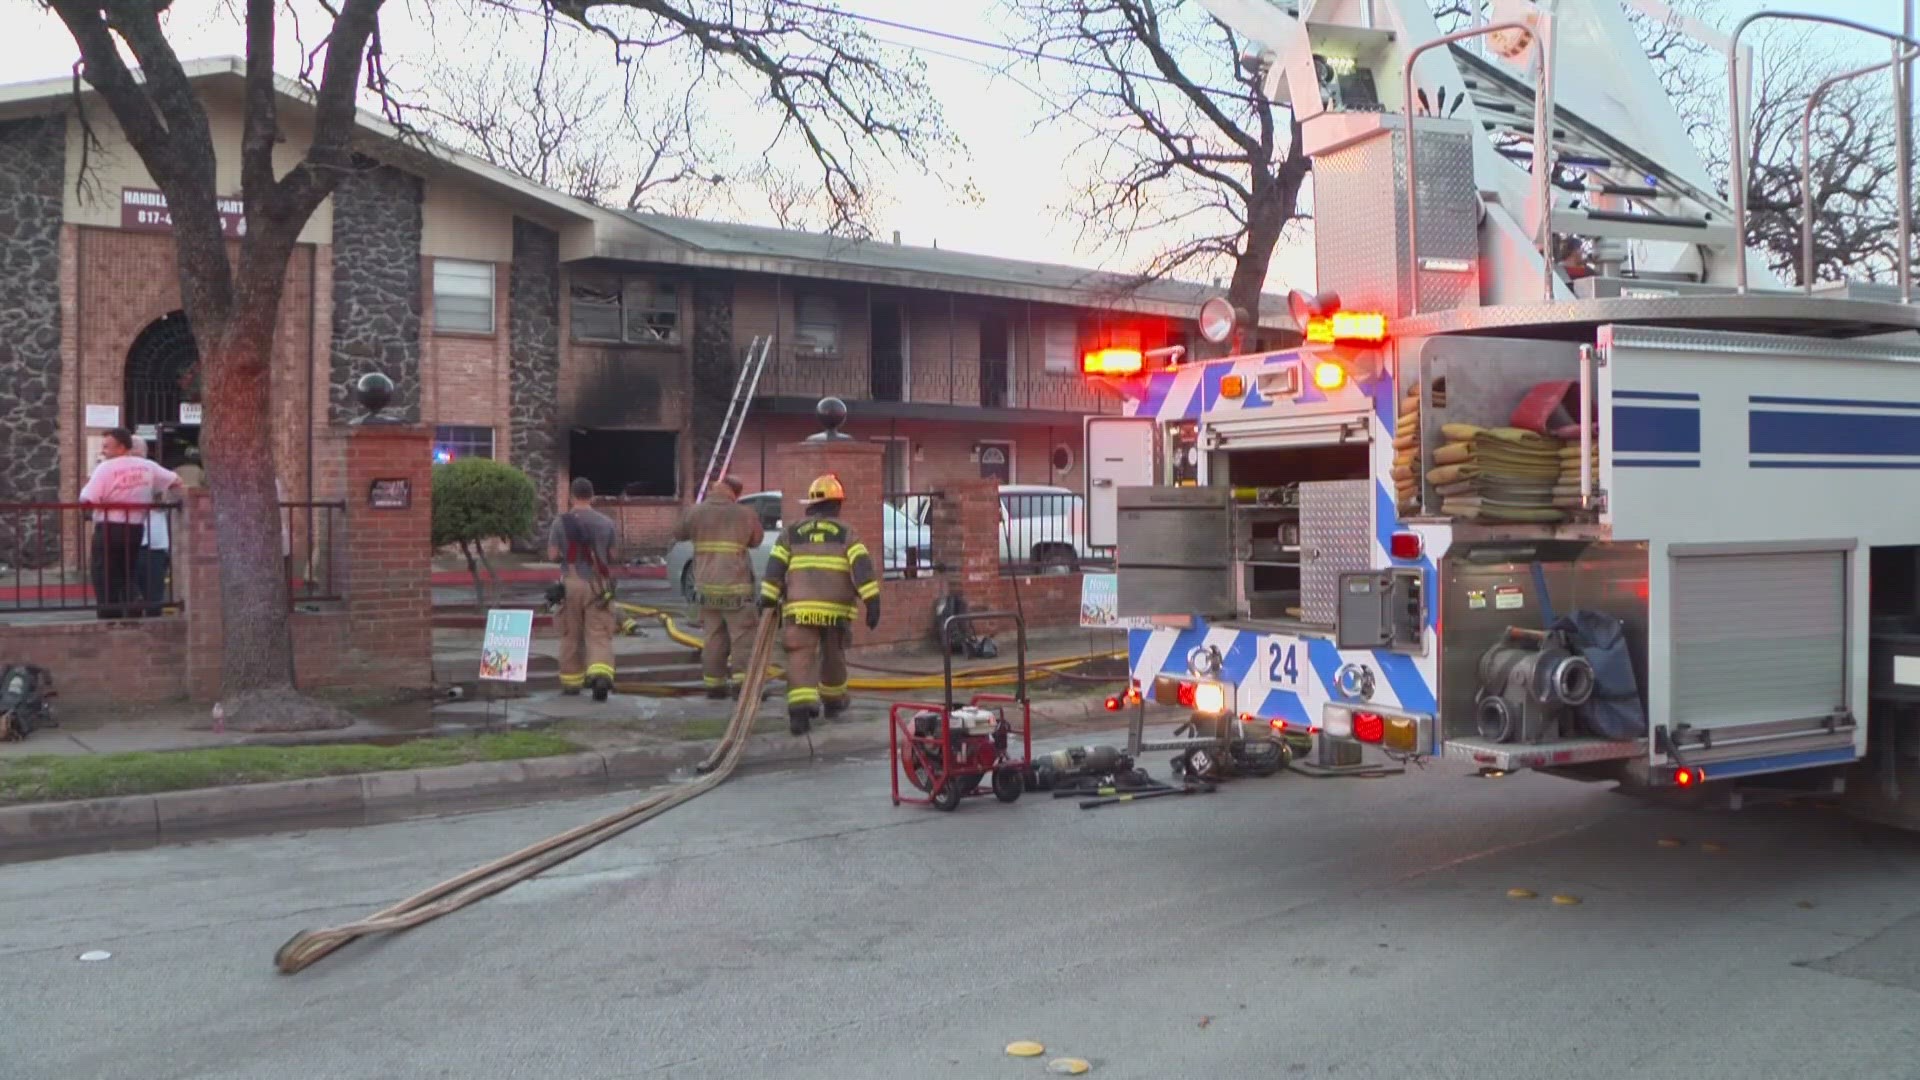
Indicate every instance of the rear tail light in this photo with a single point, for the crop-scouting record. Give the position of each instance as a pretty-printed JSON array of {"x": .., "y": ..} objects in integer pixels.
[
  {"x": 1405, "y": 545},
  {"x": 1184, "y": 695},
  {"x": 1686, "y": 777},
  {"x": 1210, "y": 698},
  {"x": 1113, "y": 704},
  {"x": 1369, "y": 727}
]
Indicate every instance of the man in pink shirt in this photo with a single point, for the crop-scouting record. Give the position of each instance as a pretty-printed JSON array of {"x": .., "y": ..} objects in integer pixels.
[{"x": 121, "y": 481}]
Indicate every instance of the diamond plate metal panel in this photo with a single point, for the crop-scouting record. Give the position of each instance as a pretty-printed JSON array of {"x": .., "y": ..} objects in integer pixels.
[
  {"x": 1366, "y": 262},
  {"x": 1336, "y": 537}
]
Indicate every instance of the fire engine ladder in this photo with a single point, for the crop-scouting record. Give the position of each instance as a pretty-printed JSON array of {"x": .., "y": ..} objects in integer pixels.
[
  {"x": 1663, "y": 207},
  {"x": 744, "y": 387}
]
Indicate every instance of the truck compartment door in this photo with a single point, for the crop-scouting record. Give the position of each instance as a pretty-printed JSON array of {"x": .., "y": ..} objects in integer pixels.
[
  {"x": 1759, "y": 650},
  {"x": 1175, "y": 554},
  {"x": 1336, "y": 537},
  {"x": 1120, "y": 453}
]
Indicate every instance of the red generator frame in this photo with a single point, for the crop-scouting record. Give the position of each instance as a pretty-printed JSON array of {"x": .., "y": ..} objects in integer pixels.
[{"x": 929, "y": 761}]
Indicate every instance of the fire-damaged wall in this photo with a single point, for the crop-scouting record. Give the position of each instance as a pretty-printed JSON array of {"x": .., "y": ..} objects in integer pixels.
[
  {"x": 536, "y": 445},
  {"x": 376, "y": 287},
  {"x": 32, "y": 166},
  {"x": 713, "y": 365}
]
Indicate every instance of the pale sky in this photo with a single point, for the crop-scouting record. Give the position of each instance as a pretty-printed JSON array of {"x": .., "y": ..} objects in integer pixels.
[{"x": 1019, "y": 174}]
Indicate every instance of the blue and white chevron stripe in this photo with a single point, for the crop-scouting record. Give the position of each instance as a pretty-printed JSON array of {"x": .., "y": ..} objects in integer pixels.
[{"x": 1290, "y": 675}]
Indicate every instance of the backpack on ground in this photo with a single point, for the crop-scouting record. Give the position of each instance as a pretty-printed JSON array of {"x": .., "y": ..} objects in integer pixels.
[{"x": 26, "y": 704}]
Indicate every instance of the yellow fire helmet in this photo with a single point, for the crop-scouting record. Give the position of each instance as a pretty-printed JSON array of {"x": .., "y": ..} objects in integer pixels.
[{"x": 825, "y": 489}]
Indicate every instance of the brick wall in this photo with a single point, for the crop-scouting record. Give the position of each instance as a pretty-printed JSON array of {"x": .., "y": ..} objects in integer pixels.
[{"x": 135, "y": 662}]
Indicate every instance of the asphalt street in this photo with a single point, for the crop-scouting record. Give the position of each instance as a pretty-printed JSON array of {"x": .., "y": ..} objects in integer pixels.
[{"x": 795, "y": 924}]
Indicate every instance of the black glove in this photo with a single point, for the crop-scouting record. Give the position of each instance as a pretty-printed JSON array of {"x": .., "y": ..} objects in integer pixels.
[
  {"x": 768, "y": 603},
  {"x": 873, "y": 613},
  {"x": 557, "y": 592}
]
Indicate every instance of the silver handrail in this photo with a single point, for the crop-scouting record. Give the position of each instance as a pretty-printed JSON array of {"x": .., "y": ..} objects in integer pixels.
[
  {"x": 1806, "y": 155},
  {"x": 1738, "y": 157},
  {"x": 1413, "y": 188}
]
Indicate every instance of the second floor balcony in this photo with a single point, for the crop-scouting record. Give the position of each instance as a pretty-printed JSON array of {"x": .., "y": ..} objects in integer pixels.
[{"x": 892, "y": 376}]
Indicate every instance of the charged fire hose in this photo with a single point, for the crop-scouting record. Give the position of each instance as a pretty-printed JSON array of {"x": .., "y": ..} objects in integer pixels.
[
  {"x": 893, "y": 680},
  {"x": 308, "y": 946}
]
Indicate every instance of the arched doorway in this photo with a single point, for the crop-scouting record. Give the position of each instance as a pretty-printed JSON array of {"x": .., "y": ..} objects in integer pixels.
[{"x": 162, "y": 372}]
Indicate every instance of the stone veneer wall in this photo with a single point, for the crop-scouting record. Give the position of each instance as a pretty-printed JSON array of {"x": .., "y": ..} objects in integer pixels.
[
  {"x": 376, "y": 288},
  {"x": 714, "y": 369},
  {"x": 33, "y": 157},
  {"x": 534, "y": 386}
]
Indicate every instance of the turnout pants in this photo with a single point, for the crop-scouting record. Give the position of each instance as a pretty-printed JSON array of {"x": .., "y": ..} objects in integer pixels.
[
  {"x": 586, "y": 635},
  {"x": 728, "y": 633},
  {"x": 816, "y": 668}
]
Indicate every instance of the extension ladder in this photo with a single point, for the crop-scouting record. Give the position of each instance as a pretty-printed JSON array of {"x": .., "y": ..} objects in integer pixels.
[{"x": 744, "y": 388}]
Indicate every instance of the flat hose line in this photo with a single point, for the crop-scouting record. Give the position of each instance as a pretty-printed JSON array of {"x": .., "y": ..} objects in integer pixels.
[{"x": 308, "y": 946}]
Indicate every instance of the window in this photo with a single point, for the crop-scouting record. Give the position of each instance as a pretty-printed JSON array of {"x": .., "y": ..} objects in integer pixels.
[
  {"x": 453, "y": 442},
  {"x": 634, "y": 311},
  {"x": 626, "y": 464},
  {"x": 893, "y": 466},
  {"x": 463, "y": 296},
  {"x": 817, "y": 328},
  {"x": 1060, "y": 346}
]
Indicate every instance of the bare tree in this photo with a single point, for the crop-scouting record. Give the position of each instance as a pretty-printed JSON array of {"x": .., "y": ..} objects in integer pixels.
[
  {"x": 830, "y": 85},
  {"x": 233, "y": 308},
  {"x": 551, "y": 126},
  {"x": 827, "y": 81},
  {"x": 1179, "y": 134}
]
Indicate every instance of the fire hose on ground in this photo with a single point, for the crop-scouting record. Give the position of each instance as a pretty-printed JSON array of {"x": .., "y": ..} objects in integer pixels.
[
  {"x": 899, "y": 680},
  {"x": 308, "y": 946}
]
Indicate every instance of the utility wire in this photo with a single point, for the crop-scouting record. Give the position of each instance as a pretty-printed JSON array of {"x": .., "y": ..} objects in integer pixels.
[{"x": 1015, "y": 50}]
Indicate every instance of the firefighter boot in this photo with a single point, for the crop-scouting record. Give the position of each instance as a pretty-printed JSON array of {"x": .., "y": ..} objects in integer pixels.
[
  {"x": 800, "y": 718},
  {"x": 602, "y": 686}
]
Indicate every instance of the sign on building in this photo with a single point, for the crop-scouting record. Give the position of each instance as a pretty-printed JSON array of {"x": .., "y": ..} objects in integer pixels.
[
  {"x": 145, "y": 210},
  {"x": 508, "y": 645}
]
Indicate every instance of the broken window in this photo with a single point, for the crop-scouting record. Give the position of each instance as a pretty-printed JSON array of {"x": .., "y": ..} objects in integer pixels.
[
  {"x": 626, "y": 463},
  {"x": 817, "y": 328},
  {"x": 633, "y": 311}
]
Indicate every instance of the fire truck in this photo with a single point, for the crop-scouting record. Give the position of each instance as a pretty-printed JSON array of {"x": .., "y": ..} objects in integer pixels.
[{"x": 1562, "y": 477}]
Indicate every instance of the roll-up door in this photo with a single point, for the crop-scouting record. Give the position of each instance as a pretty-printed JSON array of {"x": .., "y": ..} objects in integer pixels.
[{"x": 1758, "y": 637}]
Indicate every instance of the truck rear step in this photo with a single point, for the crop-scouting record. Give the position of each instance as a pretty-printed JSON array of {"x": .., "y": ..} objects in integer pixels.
[{"x": 1563, "y": 752}]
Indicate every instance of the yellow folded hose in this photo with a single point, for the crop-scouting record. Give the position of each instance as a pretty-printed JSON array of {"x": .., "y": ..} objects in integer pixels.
[{"x": 308, "y": 946}]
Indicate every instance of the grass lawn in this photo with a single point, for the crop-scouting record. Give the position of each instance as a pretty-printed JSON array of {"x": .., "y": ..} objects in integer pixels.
[{"x": 53, "y": 777}]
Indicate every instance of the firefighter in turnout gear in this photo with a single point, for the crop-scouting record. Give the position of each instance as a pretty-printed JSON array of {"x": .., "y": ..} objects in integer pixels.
[
  {"x": 817, "y": 571},
  {"x": 581, "y": 541},
  {"x": 723, "y": 532}
]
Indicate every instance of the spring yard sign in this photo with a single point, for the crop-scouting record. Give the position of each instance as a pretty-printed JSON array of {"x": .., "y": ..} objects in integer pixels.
[{"x": 508, "y": 644}]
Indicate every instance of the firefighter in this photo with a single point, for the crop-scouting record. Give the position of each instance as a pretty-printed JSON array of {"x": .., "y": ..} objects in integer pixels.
[
  {"x": 722, "y": 532},
  {"x": 581, "y": 541},
  {"x": 817, "y": 570}
]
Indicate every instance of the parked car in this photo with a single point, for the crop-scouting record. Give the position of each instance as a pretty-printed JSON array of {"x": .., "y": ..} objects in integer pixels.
[
  {"x": 901, "y": 537},
  {"x": 1040, "y": 524}
]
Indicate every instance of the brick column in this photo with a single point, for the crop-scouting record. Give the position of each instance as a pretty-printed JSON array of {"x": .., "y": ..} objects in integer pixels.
[
  {"x": 858, "y": 464},
  {"x": 196, "y": 571},
  {"x": 388, "y": 561}
]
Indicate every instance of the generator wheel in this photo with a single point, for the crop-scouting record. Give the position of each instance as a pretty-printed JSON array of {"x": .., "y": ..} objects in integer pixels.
[
  {"x": 1008, "y": 784},
  {"x": 915, "y": 766},
  {"x": 949, "y": 795}
]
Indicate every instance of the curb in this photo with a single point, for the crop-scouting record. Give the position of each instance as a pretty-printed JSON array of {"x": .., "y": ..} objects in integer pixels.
[{"x": 365, "y": 798}]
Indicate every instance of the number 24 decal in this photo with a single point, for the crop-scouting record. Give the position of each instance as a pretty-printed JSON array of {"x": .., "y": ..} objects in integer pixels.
[{"x": 1284, "y": 669}]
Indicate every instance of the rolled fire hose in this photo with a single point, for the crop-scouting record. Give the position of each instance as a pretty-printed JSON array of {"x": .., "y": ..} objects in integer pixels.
[{"x": 308, "y": 946}]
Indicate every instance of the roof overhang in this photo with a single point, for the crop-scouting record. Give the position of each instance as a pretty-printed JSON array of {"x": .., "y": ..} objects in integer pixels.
[{"x": 376, "y": 136}]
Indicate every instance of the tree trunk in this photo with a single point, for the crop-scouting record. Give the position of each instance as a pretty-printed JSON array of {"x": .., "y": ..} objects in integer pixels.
[
  {"x": 237, "y": 370},
  {"x": 473, "y": 568},
  {"x": 1274, "y": 204},
  {"x": 493, "y": 578},
  {"x": 238, "y": 448}
]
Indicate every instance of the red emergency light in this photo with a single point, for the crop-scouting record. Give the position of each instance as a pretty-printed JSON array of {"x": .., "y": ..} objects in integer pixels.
[
  {"x": 1113, "y": 362},
  {"x": 1365, "y": 327},
  {"x": 1404, "y": 545}
]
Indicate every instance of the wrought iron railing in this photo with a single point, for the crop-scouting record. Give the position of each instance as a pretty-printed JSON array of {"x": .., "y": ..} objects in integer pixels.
[
  {"x": 908, "y": 524},
  {"x": 111, "y": 559},
  {"x": 1046, "y": 533}
]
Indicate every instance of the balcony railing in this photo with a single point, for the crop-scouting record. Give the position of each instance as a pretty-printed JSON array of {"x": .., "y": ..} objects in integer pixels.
[{"x": 929, "y": 380}]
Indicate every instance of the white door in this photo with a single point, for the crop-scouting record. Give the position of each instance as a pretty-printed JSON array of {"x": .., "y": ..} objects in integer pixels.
[{"x": 1119, "y": 454}]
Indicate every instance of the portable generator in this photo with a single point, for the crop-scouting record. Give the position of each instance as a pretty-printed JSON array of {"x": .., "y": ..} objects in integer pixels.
[{"x": 947, "y": 750}]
